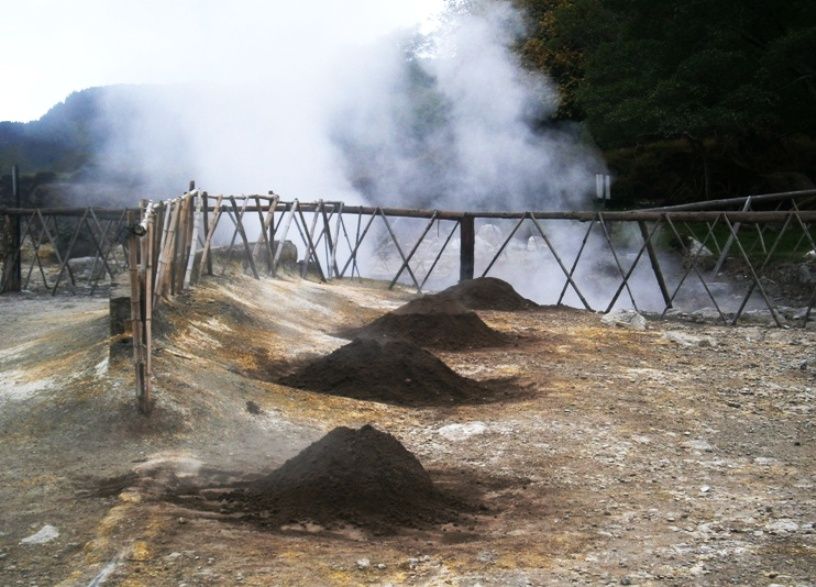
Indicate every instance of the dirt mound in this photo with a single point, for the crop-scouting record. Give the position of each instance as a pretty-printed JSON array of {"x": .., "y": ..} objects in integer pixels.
[
  {"x": 360, "y": 477},
  {"x": 435, "y": 322},
  {"x": 391, "y": 371},
  {"x": 486, "y": 293}
]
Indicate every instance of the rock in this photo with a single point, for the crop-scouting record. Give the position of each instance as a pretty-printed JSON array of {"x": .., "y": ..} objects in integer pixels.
[
  {"x": 462, "y": 431},
  {"x": 688, "y": 340},
  {"x": 288, "y": 257},
  {"x": 698, "y": 254},
  {"x": 700, "y": 445},
  {"x": 363, "y": 564},
  {"x": 804, "y": 275},
  {"x": 119, "y": 309},
  {"x": 487, "y": 557},
  {"x": 707, "y": 314},
  {"x": 697, "y": 248},
  {"x": 87, "y": 268},
  {"x": 800, "y": 314},
  {"x": 626, "y": 318},
  {"x": 46, "y": 534},
  {"x": 783, "y": 526}
]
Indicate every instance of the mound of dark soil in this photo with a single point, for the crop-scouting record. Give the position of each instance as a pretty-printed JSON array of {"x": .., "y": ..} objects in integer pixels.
[
  {"x": 486, "y": 293},
  {"x": 435, "y": 322},
  {"x": 390, "y": 371},
  {"x": 361, "y": 477}
]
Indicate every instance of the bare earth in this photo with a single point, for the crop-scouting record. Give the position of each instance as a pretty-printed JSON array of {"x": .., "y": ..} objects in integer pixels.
[{"x": 632, "y": 457}]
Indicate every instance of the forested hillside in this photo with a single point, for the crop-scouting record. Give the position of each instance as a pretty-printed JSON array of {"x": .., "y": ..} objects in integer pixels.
[{"x": 688, "y": 98}]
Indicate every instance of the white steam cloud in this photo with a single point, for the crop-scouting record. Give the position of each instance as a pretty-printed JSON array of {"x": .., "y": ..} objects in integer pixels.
[
  {"x": 453, "y": 124},
  {"x": 449, "y": 119}
]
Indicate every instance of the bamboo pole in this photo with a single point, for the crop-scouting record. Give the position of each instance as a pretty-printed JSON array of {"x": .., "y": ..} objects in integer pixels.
[
  {"x": 178, "y": 247},
  {"x": 206, "y": 261},
  {"x": 163, "y": 269},
  {"x": 237, "y": 217},
  {"x": 240, "y": 227},
  {"x": 193, "y": 243},
  {"x": 206, "y": 226},
  {"x": 149, "y": 243},
  {"x": 266, "y": 223},
  {"x": 136, "y": 318},
  {"x": 287, "y": 222}
]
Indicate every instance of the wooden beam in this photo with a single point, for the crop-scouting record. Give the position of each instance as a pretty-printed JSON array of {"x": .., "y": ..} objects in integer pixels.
[
  {"x": 240, "y": 226},
  {"x": 467, "y": 245},
  {"x": 650, "y": 250}
]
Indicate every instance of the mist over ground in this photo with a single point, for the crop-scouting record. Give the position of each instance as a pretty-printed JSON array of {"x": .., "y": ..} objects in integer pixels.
[{"x": 442, "y": 119}]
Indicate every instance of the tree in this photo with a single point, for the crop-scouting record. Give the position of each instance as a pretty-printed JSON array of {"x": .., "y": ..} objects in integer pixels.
[{"x": 730, "y": 73}]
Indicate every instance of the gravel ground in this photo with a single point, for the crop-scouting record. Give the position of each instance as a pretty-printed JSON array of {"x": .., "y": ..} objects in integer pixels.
[{"x": 675, "y": 455}]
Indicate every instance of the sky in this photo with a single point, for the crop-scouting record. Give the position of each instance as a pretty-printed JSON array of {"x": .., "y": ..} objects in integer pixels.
[{"x": 50, "y": 48}]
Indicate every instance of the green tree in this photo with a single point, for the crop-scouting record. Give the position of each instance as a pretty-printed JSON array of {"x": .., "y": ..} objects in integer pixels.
[{"x": 734, "y": 74}]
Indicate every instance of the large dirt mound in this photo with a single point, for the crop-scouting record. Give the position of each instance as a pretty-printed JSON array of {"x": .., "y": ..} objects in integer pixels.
[
  {"x": 391, "y": 371},
  {"x": 435, "y": 322},
  {"x": 486, "y": 293},
  {"x": 360, "y": 477}
]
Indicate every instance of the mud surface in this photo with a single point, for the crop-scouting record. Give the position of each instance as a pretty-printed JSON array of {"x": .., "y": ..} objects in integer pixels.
[
  {"x": 486, "y": 293},
  {"x": 363, "y": 478},
  {"x": 390, "y": 371},
  {"x": 433, "y": 322}
]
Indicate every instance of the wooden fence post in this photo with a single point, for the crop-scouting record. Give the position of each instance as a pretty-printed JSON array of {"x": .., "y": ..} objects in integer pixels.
[
  {"x": 137, "y": 323},
  {"x": 206, "y": 227},
  {"x": 13, "y": 271},
  {"x": 149, "y": 279},
  {"x": 467, "y": 240}
]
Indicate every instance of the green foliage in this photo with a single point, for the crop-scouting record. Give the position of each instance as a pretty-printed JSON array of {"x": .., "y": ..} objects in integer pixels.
[
  {"x": 734, "y": 79},
  {"x": 642, "y": 70}
]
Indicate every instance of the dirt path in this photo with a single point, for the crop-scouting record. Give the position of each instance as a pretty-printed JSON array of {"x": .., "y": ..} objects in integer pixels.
[{"x": 683, "y": 454}]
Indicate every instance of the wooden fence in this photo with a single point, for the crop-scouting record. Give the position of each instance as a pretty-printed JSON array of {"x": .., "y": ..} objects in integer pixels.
[{"x": 166, "y": 247}]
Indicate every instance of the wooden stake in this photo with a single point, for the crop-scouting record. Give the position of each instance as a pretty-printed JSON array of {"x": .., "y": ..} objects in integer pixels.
[
  {"x": 287, "y": 222},
  {"x": 240, "y": 227},
  {"x": 136, "y": 318},
  {"x": 266, "y": 224},
  {"x": 165, "y": 257},
  {"x": 149, "y": 242},
  {"x": 193, "y": 243},
  {"x": 206, "y": 260},
  {"x": 206, "y": 220}
]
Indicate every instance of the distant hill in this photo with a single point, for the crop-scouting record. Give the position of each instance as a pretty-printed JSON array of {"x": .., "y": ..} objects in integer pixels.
[
  {"x": 79, "y": 149},
  {"x": 61, "y": 141}
]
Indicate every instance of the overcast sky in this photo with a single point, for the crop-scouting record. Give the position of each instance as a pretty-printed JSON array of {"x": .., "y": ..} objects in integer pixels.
[{"x": 50, "y": 48}]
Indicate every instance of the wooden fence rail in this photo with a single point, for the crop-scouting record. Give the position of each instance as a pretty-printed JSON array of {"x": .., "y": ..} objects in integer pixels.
[{"x": 166, "y": 247}]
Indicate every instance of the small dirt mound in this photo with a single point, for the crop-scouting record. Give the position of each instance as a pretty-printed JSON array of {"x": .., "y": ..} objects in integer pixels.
[
  {"x": 486, "y": 293},
  {"x": 362, "y": 477},
  {"x": 433, "y": 322},
  {"x": 390, "y": 371}
]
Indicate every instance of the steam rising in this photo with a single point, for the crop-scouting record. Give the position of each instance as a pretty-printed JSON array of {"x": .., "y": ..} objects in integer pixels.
[
  {"x": 445, "y": 119},
  {"x": 452, "y": 124}
]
